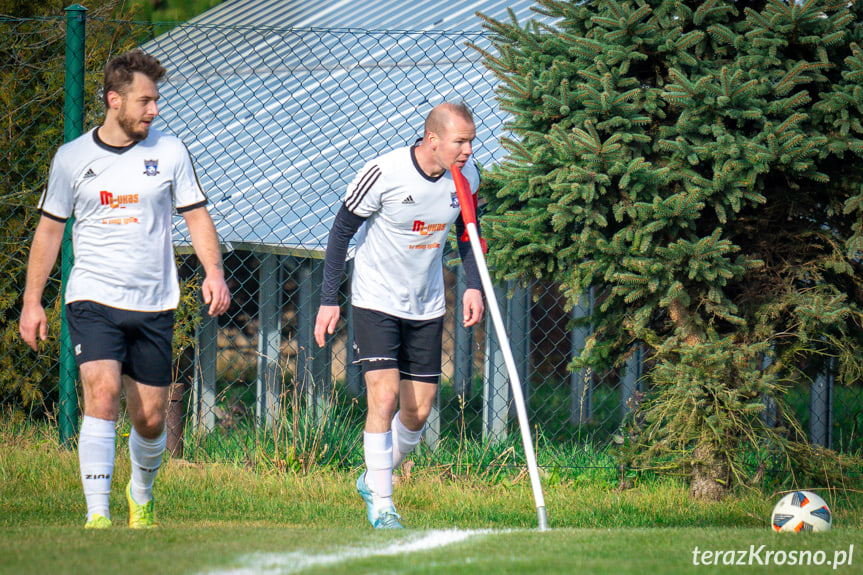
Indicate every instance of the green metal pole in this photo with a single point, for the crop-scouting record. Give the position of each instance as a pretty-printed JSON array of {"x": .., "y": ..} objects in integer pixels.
[{"x": 76, "y": 16}]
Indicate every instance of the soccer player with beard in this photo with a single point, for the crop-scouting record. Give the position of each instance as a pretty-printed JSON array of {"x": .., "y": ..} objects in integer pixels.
[
  {"x": 401, "y": 205},
  {"x": 121, "y": 181}
]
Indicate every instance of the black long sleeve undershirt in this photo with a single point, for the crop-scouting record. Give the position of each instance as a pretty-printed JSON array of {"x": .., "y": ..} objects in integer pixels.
[
  {"x": 468, "y": 260},
  {"x": 344, "y": 227}
]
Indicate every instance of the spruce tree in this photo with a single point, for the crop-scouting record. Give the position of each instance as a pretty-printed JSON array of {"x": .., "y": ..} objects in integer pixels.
[{"x": 698, "y": 165}]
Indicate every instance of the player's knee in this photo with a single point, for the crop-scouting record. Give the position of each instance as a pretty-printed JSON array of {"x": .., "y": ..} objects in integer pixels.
[
  {"x": 102, "y": 403},
  {"x": 414, "y": 417},
  {"x": 151, "y": 431},
  {"x": 150, "y": 425},
  {"x": 383, "y": 405}
]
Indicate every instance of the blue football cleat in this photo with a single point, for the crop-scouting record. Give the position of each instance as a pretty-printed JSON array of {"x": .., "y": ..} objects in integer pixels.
[
  {"x": 388, "y": 519},
  {"x": 366, "y": 494}
]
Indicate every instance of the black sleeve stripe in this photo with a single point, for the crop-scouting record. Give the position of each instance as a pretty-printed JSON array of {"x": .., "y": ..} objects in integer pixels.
[
  {"x": 43, "y": 200},
  {"x": 50, "y": 216},
  {"x": 357, "y": 200},
  {"x": 359, "y": 192},
  {"x": 191, "y": 207},
  {"x": 195, "y": 172},
  {"x": 355, "y": 197}
]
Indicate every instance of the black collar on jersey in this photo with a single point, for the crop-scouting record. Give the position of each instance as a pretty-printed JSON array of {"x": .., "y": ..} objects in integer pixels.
[
  {"x": 109, "y": 147},
  {"x": 417, "y": 166}
]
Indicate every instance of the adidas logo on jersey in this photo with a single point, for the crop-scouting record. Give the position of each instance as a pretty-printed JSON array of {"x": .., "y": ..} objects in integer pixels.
[
  {"x": 408, "y": 200},
  {"x": 90, "y": 173}
]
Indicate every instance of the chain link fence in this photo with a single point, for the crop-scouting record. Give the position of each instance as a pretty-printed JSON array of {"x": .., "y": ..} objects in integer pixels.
[{"x": 277, "y": 122}]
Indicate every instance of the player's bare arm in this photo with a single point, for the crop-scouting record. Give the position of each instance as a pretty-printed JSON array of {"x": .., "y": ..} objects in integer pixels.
[
  {"x": 205, "y": 241},
  {"x": 43, "y": 255}
]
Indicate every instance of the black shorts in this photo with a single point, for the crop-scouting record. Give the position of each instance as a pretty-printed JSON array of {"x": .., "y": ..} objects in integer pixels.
[
  {"x": 383, "y": 341},
  {"x": 139, "y": 340}
]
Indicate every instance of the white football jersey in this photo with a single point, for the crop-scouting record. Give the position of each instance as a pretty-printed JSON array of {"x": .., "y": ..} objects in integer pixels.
[
  {"x": 122, "y": 200},
  {"x": 398, "y": 266}
]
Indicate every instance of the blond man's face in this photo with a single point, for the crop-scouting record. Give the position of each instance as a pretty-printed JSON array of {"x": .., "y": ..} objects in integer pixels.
[{"x": 455, "y": 144}]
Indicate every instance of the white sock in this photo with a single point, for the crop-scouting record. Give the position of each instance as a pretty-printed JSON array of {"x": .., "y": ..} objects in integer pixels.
[
  {"x": 378, "y": 449},
  {"x": 96, "y": 459},
  {"x": 146, "y": 456},
  {"x": 404, "y": 440}
]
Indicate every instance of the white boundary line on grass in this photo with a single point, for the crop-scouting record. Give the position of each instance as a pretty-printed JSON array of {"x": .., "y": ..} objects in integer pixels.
[{"x": 298, "y": 561}]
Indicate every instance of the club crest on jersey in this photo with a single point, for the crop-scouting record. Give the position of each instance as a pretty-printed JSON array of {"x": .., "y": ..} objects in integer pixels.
[
  {"x": 151, "y": 167},
  {"x": 454, "y": 200}
]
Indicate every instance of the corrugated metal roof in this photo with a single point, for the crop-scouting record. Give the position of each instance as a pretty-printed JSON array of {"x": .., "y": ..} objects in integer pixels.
[
  {"x": 450, "y": 15},
  {"x": 281, "y": 102}
]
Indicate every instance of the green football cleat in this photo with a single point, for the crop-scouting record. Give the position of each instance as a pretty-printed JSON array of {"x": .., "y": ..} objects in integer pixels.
[
  {"x": 98, "y": 522},
  {"x": 140, "y": 516}
]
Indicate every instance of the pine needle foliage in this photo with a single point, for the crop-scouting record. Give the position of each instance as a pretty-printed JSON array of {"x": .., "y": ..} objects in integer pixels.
[{"x": 697, "y": 164}]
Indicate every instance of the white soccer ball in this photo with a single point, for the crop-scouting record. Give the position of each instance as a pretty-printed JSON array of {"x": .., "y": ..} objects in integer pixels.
[{"x": 801, "y": 511}]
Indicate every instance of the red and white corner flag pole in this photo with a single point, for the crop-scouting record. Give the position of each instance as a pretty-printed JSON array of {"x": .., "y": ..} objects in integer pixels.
[{"x": 468, "y": 214}]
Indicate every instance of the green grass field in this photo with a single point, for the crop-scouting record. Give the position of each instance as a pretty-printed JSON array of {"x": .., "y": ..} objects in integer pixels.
[{"x": 226, "y": 518}]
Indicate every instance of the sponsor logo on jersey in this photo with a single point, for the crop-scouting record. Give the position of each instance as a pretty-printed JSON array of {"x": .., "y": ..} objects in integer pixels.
[
  {"x": 90, "y": 174},
  {"x": 408, "y": 200},
  {"x": 106, "y": 198},
  {"x": 426, "y": 229},
  {"x": 453, "y": 200},
  {"x": 151, "y": 167},
  {"x": 78, "y": 349},
  {"x": 120, "y": 221}
]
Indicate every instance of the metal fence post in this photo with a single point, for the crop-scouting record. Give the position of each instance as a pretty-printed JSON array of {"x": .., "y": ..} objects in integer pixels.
[
  {"x": 495, "y": 389},
  {"x": 463, "y": 341},
  {"x": 631, "y": 381},
  {"x": 519, "y": 326},
  {"x": 269, "y": 374},
  {"x": 314, "y": 365},
  {"x": 205, "y": 387},
  {"x": 431, "y": 431},
  {"x": 821, "y": 408},
  {"x": 76, "y": 16}
]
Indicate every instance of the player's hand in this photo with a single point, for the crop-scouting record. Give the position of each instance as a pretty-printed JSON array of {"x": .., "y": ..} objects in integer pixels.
[
  {"x": 473, "y": 307},
  {"x": 33, "y": 323},
  {"x": 328, "y": 316},
  {"x": 216, "y": 295}
]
